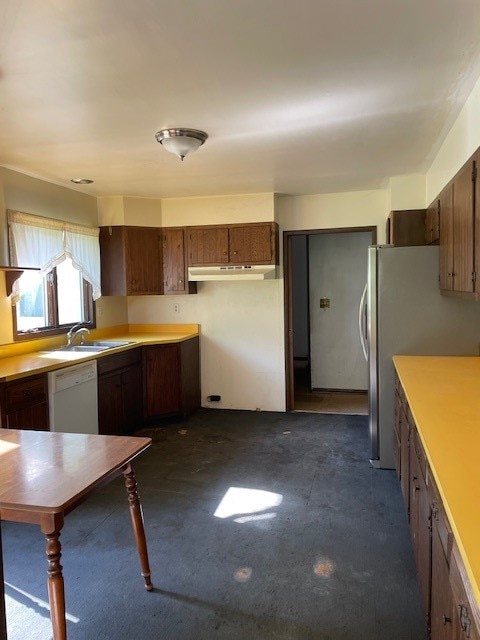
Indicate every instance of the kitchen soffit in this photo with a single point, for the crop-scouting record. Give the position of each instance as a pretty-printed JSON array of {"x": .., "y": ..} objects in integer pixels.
[{"x": 299, "y": 98}]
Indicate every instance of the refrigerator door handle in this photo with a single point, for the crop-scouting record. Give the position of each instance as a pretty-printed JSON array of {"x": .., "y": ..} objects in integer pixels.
[{"x": 362, "y": 323}]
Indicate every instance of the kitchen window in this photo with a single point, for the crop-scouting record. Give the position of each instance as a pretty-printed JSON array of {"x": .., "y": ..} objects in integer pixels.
[
  {"x": 61, "y": 293},
  {"x": 51, "y": 303}
]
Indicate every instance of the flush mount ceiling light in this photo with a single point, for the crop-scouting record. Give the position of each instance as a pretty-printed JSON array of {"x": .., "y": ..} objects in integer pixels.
[
  {"x": 81, "y": 180},
  {"x": 181, "y": 141}
]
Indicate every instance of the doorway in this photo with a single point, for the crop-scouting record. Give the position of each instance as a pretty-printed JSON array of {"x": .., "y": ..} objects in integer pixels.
[{"x": 325, "y": 271}]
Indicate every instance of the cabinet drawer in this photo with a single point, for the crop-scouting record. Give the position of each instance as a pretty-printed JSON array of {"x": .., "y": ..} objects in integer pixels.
[
  {"x": 25, "y": 392},
  {"x": 118, "y": 360},
  {"x": 440, "y": 519},
  {"x": 420, "y": 453}
]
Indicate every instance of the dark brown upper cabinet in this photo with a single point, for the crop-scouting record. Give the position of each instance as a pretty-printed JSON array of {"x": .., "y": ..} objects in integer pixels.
[
  {"x": 131, "y": 260},
  {"x": 406, "y": 228},
  {"x": 207, "y": 245},
  {"x": 175, "y": 263},
  {"x": 463, "y": 229},
  {"x": 242, "y": 244},
  {"x": 446, "y": 238},
  {"x": 476, "y": 221},
  {"x": 432, "y": 223},
  {"x": 458, "y": 233}
]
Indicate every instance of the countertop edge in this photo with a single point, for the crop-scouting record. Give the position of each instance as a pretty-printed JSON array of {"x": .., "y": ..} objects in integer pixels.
[{"x": 34, "y": 366}]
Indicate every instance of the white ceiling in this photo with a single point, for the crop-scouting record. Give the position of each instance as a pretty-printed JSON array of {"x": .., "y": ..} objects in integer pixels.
[{"x": 297, "y": 97}]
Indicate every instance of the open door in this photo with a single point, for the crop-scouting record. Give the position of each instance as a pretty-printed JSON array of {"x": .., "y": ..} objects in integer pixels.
[{"x": 290, "y": 239}]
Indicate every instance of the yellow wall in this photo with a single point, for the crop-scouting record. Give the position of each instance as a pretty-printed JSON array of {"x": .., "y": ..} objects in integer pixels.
[
  {"x": 334, "y": 210},
  {"x": 461, "y": 141},
  {"x": 111, "y": 311},
  {"x": 31, "y": 195},
  {"x": 407, "y": 192},
  {"x": 110, "y": 211},
  {"x": 143, "y": 212},
  {"x": 257, "y": 207},
  {"x": 120, "y": 210}
]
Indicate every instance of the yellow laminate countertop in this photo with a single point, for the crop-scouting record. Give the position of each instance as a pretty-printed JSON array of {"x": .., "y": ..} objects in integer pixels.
[
  {"x": 41, "y": 361},
  {"x": 444, "y": 397}
]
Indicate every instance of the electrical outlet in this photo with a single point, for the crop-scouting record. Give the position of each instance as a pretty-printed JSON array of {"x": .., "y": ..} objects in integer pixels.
[{"x": 176, "y": 307}]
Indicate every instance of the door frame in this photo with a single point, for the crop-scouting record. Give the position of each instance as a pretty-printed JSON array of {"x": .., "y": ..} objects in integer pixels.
[{"x": 288, "y": 307}]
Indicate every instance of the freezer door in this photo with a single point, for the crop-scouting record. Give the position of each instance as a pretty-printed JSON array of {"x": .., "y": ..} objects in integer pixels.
[{"x": 372, "y": 336}]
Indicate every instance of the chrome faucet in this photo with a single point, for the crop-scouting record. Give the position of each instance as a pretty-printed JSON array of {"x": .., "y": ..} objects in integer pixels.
[{"x": 74, "y": 332}]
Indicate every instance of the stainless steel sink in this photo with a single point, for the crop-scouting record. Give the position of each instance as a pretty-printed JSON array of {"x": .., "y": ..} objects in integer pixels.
[
  {"x": 82, "y": 348},
  {"x": 94, "y": 346},
  {"x": 108, "y": 344}
]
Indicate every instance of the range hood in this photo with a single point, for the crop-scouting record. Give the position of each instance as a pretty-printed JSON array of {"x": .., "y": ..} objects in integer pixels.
[{"x": 232, "y": 272}]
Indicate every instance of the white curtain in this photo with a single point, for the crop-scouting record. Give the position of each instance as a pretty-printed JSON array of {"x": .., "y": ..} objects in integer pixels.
[
  {"x": 83, "y": 247},
  {"x": 43, "y": 243}
]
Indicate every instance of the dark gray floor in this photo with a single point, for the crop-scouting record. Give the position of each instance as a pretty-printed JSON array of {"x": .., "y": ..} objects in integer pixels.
[{"x": 332, "y": 560}]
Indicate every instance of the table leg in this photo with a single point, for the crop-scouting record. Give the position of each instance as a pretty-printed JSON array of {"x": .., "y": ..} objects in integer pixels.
[
  {"x": 3, "y": 622},
  {"x": 56, "y": 593},
  {"x": 137, "y": 522}
]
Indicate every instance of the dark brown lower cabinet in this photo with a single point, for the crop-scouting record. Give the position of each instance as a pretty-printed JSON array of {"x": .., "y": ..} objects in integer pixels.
[
  {"x": 171, "y": 379},
  {"x": 442, "y": 608},
  {"x": 404, "y": 447},
  {"x": 24, "y": 403},
  {"x": 402, "y": 444},
  {"x": 466, "y": 619},
  {"x": 420, "y": 527},
  {"x": 120, "y": 393},
  {"x": 397, "y": 426},
  {"x": 452, "y": 612},
  {"x": 110, "y": 404}
]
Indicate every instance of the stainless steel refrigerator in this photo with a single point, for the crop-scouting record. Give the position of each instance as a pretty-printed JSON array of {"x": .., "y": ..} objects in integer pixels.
[{"x": 403, "y": 313}]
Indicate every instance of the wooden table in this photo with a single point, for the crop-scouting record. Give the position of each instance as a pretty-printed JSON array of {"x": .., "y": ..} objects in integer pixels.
[{"x": 45, "y": 475}]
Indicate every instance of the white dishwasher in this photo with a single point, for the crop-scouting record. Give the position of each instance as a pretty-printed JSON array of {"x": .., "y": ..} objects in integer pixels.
[{"x": 72, "y": 398}]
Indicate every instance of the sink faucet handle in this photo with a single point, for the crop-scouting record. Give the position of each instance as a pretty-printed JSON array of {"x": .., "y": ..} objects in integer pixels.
[
  {"x": 74, "y": 328},
  {"x": 72, "y": 332}
]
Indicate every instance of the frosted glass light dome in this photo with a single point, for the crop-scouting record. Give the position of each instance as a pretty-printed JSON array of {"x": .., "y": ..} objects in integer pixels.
[{"x": 181, "y": 141}]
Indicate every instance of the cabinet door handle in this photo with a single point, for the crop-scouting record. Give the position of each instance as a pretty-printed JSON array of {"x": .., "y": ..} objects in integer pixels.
[
  {"x": 180, "y": 282},
  {"x": 225, "y": 253},
  {"x": 446, "y": 619},
  {"x": 27, "y": 392},
  {"x": 235, "y": 253},
  {"x": 465, "y": 621}
]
